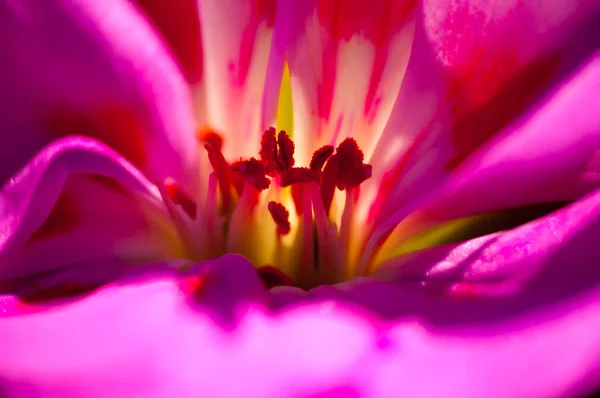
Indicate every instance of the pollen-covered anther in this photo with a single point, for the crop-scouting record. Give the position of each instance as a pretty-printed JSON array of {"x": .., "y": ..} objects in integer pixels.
[
  {"x": 276, "y": 152},
  {"x": 286, "y": 150},
  {"x": 320, "y": 156},
  {"x": 253, "y": 172},
  {"x": 344, "y": 170},
  {"x": 281, "y": 217},
  {"x": 179, "y": 197}
]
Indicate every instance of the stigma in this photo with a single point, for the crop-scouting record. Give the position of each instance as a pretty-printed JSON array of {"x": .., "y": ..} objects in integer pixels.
[{"x": 274, "y": 211}]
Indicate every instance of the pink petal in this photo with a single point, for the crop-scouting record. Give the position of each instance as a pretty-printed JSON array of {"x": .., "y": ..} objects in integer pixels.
[
  {"x": 178, "y": 23},
  {"x": 236, "y": 41},
  {"x": 510, "y": 314},
  {"x": 475, "y": 69},
  {"x": 78, "y": 201},
  {"x": 347, "y": 60},
  {"x": 544, "y": 156},
  {"x": 94, "y": 68},
  {"x": 150, "y": 340}
]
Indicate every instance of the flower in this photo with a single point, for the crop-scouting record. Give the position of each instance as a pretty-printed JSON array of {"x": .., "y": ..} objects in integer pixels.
[{"x": 122, "y": 126}]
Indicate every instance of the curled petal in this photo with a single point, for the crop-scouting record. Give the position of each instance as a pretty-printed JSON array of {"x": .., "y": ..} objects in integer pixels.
[
  {"x": 78, "y": 201},
  {"x": 76, "y": 67}
]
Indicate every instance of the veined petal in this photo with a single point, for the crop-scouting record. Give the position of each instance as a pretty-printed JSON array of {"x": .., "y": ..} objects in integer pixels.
[
  {"x": 236, "y": 40},
  {"x": 545, "y": 156},
  {"x": 95, "y": 68},
  {"x": 347, "y": 60},
  {"x": 476, "y": 67},
  {"x": 78, "y": 201}
]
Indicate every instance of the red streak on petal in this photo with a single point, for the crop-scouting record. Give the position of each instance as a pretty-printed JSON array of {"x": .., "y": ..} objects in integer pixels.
[
  {"x": 378, "y": 21},
  {"x": 320, "y": 156},
  {"x": 222, "y": 172},
  {"x": 472, "y": 130},
  {"x": 179, "y": 197},
  {"x": 281, "y": 217},
  {"x": 260, "y": 11},
  {"x": 273, "y": 277},
  {"x": 286, "y": 150}
]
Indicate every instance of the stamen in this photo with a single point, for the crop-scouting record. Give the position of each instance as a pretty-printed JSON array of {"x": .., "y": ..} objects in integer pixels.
[
  {"x": 286, "y": 151},
  {"x": 320, "y": 157},
  {"x": 273, "y": 277},
  {"x": 281, "y": 217},
  {"x": 179, "y": 197},
  {"x": 276, "y": 154},
  {"x": 212, "y": 138},
  {"x": 228, "y": 221},
  {"x": 221, "y": 168},
  {"x": 344, "y": 170},
  {"x": 253, "y": 172},
  {"x": 268, "y": 152},
  {"x": 352, "y": 171}
]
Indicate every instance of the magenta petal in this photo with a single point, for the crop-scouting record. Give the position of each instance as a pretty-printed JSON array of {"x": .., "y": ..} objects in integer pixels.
[
  {"x": 144, "y": 339},
  {"x": 512, "y": 314},
  {"x": 480, "y": 72},
  {"x": 76, "y": 201},
  {"x": 86, "y": 67},
  {"x": 544, "y": 156}
]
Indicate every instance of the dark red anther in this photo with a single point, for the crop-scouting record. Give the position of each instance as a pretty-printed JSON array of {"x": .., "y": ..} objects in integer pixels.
[
  {"x": 222, "y": 172},
  {"x": 286, "y": 151},
  {"x": 273, "y": 277},
  {"x": 268, "y": 152},
  {"x": 320, "y": 156},
  {"x": 276, "y": 152},
  {"x": 179, "y": 197},
  {"x": 344, "y": 170},
  {"x": 211, "y": 138},
  {"x": 281, "y": 217},
  {"x": 298, "y": 175},
  {"x": 253, "y": 172}
]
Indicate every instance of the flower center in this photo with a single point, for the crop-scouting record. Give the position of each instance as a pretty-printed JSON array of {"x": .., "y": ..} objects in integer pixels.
[{"x": 273, "y": 212}]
